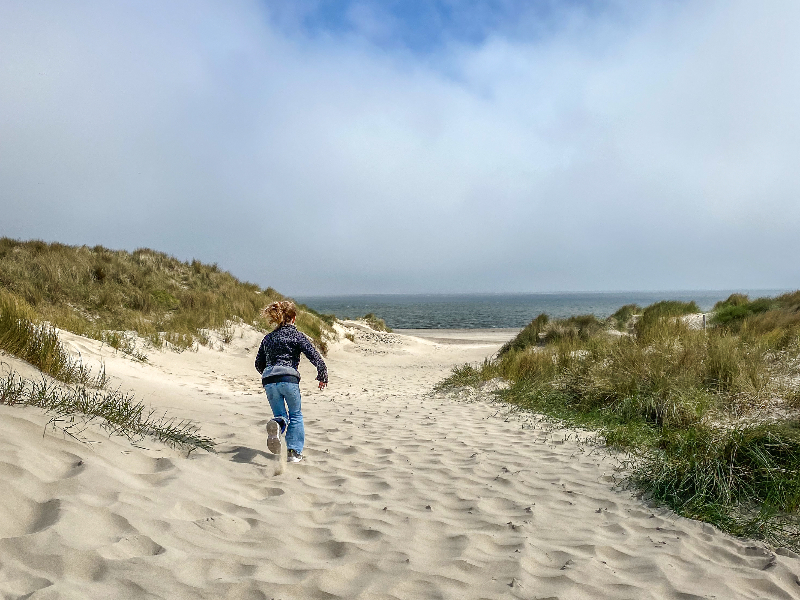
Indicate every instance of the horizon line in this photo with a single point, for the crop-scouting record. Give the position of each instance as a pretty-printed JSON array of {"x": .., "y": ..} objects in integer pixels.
[{"x": 629, "y": 291}]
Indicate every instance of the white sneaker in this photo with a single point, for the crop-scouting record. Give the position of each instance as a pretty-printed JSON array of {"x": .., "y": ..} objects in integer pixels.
[
  {"x": 274, "y": 435},
  {"x": 293, "y": 456}
]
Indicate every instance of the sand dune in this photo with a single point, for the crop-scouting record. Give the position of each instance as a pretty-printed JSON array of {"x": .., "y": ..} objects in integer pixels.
[{"x": 401, "y": 495}]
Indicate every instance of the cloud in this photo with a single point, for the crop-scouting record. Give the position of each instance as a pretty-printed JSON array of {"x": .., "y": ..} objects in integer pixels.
[{"x": 615, "y": 149}]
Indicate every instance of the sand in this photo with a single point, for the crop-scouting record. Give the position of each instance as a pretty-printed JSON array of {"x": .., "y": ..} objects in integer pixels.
[{"x": 402, "y": 494}]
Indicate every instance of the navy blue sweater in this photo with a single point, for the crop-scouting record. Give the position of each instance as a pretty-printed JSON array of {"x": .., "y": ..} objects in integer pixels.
[{"x": 283, "y": 347}]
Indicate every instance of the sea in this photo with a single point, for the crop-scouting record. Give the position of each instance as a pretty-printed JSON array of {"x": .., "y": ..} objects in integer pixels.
[{"x": 490, "y": 311}]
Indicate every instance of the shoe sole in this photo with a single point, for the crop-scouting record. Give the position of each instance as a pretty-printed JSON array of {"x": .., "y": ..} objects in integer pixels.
[{"x": 274, "y": 437}]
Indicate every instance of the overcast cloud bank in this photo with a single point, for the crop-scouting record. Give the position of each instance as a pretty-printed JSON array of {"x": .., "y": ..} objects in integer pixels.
[{"x": 571, "y": 149}]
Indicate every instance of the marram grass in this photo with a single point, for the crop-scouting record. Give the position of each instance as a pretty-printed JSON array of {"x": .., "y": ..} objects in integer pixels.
[
  {"x": 38, "y": 344},
  {"x": 707, "y": 418},
  {"x": 744, "y": 479},
  {"x": 100, "y": 293},
  {"x": 376, "y": 323},
  {"x": 73, "y": 408},
  {"x": 119, "y": 298}
]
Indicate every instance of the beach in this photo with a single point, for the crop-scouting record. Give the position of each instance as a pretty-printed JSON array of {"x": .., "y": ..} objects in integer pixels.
[{"x": 403, "y": 494}]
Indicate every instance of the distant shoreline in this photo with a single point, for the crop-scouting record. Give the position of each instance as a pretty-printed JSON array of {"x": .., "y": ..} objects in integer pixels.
[
  {"x": 499, "y": 311},
  {"x": 463, "y": 336}
]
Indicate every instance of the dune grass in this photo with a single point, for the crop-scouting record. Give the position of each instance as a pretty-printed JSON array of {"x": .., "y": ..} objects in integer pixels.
[
  {"x": 38, "y": 344},
  {"x": 84, "y": 399},
  {"x": 744, "y": 479},
  {"x": 622, "y": 319},
  {"x": 73, "y": 408},
  {"x": 771, "y": 321},
  {"x": 122, "y": 299},
  {"x": 707, "y": 417},
  {"x": 115, "y": 296},
  {"x": 376, "y": 323}
]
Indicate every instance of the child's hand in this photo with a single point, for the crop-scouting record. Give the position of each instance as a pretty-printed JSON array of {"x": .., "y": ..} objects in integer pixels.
[{"x": 322, "y": 385}]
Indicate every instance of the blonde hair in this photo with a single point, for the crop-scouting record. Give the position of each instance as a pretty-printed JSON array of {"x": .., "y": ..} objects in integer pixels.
[{"x": 281, "y": 312}]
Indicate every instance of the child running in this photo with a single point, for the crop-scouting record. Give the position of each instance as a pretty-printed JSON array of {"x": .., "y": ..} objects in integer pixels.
[{"x": 277, "y": 360}]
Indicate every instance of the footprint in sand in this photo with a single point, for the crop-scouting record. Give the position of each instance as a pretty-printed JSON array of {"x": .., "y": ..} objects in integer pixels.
[
  {"x": 224, "y": 524},
  {"x": 191, "y": 511},
  {"x": 268, "y": 493},
  {"x": 131, "y": 547}
]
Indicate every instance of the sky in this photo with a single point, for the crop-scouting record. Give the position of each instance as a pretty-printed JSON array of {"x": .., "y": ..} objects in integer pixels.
[{"x": 411, "y": 146}]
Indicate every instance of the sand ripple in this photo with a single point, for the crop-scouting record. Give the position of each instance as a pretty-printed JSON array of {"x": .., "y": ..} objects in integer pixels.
[{"x": 402, "y": 496}]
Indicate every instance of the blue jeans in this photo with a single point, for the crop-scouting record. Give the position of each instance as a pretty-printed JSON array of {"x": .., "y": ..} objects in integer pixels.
[{"x": 282, "y": 396}]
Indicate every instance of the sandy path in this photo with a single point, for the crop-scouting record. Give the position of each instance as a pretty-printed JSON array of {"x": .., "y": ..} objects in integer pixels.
[{"x": 402, "y": 495}]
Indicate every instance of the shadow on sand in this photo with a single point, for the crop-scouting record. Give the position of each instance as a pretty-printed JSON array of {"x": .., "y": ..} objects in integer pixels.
[{"x": 243, "y": 454}]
